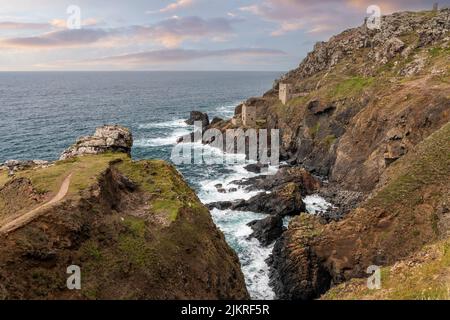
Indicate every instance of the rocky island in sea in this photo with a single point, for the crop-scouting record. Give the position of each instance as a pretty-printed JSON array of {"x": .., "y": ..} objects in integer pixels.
[{"x": 364, "y": 128}]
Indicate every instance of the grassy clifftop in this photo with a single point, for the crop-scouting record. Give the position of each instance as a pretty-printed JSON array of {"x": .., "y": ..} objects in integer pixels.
[
  {"x": 135, "y": 228},
  {"x": 424, "y": 276}
]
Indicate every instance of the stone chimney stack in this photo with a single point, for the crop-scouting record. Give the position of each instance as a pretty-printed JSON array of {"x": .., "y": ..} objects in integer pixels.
[{"x": 435, "y": 6}]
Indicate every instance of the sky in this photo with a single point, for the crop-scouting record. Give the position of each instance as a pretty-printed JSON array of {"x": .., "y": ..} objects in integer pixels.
[{"x": 270, "y": 35}]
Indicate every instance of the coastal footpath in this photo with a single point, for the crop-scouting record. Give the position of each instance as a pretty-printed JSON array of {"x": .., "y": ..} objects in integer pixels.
[{"x": 135, "y": 228}]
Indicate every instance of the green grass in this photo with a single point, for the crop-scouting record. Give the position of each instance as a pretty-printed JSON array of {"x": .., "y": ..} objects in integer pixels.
[
  {"x": 329, "y": 140},
  {"x": 298, "y": 101},
  {"x": 3, "y": 177},
  {"x": 429, "y": 164},
  {"x": 350, "y": 87},
  {"x": 314, "y": 130},
  {"x": 169, "y": 191},
  {"x": 85, "y": 172},
  {"x": 439, "y": 51},
  {"x": 427, "y": 280},
  {"x": 133, "y": 244}
]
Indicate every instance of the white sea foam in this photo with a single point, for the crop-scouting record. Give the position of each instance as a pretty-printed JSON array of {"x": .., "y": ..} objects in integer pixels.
[
  {"x": 233, "y": 223},
  {"x": 226, "y": 111},
  {"x": 170, "y": 139},
  {"x": 251, "y": 254},
  {"x": 177, "y": 123},
  {"x": 315, "y": 204}
]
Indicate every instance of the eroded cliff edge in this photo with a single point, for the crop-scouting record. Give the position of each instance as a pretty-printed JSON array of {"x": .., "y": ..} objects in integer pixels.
[{"x": 135, "y": 228}]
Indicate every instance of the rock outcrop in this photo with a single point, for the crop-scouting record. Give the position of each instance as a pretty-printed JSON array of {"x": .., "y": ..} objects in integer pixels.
[
  {"x": 408, "y": 210},
  {"x": 267, "y": 230},
  {"x": 135, "y": 229},
  {"x": 109, "y": 138},
  {"x": 357, "y": 88},
  {"x": 307, "y": 183},
  {"x": 296, "y": 270},
  {"x": 198, "y": 116},
  {"x": 283, "y": 201},
  {"x": 369, "y": 113}
]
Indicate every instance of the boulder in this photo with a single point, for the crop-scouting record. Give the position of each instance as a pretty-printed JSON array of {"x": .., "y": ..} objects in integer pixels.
[
  {"x": 284, "y": 201},
  {"x": 17, "y": 165},
  {"x": 108, "y": 138},
  {"x": 255, "y": 167},
  {"x": 307, "y": 183},
  {"x": 215, "y": 120},
  {"x": 267, "y": 230},
  {"x": 198, "y": 116},
  {"x": 221, "y": 205}
]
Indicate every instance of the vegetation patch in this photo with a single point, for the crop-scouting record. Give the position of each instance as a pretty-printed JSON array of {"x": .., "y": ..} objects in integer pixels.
[{"x": 350, "y": 87}]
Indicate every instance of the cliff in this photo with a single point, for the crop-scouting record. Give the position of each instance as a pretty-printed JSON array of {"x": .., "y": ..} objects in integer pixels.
[
  {"x": 135, "y": 228},
  {"x": 365, "y": 98},
  {"x": 410, "y": 210},
  {"x": 369, "y": 112}
]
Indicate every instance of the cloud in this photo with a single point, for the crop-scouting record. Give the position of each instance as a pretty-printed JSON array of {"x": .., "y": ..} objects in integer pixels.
[
  {"x": 325, "y": 16},
  {"x": 61, "y": 23},
  {"x": 9, "y": 25},
  {"x": 183, "y": 55},
  {"x": 58, "y": 39},
  {"x": 173, "y": 6},
  {"x": 173, "y": 31},
  {"x": 169, "y": 33}
]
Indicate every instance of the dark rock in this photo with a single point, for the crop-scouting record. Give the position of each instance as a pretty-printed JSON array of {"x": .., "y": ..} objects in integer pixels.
[
  {"x": 232, "y": 190},
  {"x": 221, "y": 205},
  {"x": 216, "y": 120},
  {"x": 198, "y": 116},
  {"x": 267, "y": 230},
  {"x": 190, "y": 137},
  {"x": 296, "y": 272},
  {"x": 238, "y": 110},
  {"x": 221, "y": 190},
  {"x": 283, "y": 201},
  {"x": 317, "y": 108},
  {"x": 343, "y": 201},
  {"x": 255, "y": 167},
  {"x": 307, "y": 183}
]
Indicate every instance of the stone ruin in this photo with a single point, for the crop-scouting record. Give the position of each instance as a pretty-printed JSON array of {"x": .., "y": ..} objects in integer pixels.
[{"x": 284, "y": 92}]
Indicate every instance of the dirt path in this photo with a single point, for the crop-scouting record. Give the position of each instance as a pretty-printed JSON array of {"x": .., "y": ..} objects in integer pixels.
[{"x": 30, "y": 215}]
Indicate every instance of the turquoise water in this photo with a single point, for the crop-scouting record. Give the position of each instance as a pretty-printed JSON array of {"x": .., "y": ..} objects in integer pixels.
[{"x": 43, "y": 113}]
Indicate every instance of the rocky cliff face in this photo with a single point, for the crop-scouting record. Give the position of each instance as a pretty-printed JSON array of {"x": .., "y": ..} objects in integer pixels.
[
  {"x": 370, "y": 114},
  {"x": 135, "y": 229},
  {"x": 366, "y": 98}
]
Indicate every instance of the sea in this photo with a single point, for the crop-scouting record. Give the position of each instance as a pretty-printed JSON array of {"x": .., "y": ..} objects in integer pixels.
[{"x": 42, "y": 113}]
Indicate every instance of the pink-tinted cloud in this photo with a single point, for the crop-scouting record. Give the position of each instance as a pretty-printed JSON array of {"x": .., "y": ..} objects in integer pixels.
[
  {"x": 173, "y": 6},
  {"x": 326, "y": 15},
  {"x": 170, "y": 33},
  {"x": 10, "y": 25},
  {"x": 182, "y": 55}
]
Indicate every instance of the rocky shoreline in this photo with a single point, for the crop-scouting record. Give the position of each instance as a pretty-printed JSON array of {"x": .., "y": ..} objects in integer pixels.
[
  {"x": 281, "y": 195},
  {"x": 365, "y": 129}
]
